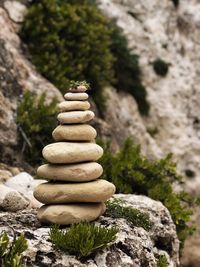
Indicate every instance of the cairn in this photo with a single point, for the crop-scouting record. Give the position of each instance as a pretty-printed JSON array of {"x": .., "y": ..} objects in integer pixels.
[{"x": 73, "y": 192}]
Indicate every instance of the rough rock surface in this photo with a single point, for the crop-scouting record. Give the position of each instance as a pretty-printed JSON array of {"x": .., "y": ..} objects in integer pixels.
[
  {"x": 156, "y": 29},
  {"x": 134, "y": 245},
  {"x": 17, "y": 74}
]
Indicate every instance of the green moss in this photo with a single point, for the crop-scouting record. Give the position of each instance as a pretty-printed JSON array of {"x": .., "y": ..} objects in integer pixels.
[
  {"x": 82, "y": 239},
  {"x": 162, "y": 261},
  {"x": 152, "y": 131},
  {"x": 36, "y": 121},
  {"x": 69, "y": 40},
  {"x": 74, "y": 84},
  {"x": 127, "y": 70},
  {"x": 117, "y": 209},
  {"x": 131, "y": 172},
  {"x": 11, "y": 251},
  {"x": 160, "y": 67}
]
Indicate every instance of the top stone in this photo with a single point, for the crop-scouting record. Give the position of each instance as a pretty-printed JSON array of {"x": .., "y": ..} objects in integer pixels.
[{"x": 79, "y": 89}]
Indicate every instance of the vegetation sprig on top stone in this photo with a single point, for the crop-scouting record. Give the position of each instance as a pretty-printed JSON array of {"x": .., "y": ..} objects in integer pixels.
[
  {"x": 75, "y": 84},
  {"x": 82, "y": 239}
]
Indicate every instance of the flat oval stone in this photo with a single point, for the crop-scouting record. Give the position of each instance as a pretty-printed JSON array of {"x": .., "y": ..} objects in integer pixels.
[
  {"x": 70, "y": 213},
  {"x": 66, "y": 152},
  {"x": 80, "y": 88},
  {"x": 61, "y": 193},
  {"x": 75, "y": 117},
  {"x": 76, "y": 96},
  {"x": 73, "y": 105},
  {"x": 80, "y": 132},
  {"x": 81, "y": 172}
]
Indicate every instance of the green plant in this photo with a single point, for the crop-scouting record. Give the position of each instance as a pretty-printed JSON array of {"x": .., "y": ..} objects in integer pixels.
[
  {"x": 152, "y": 131},
  {"x": 127, "y": 70},
  {"x": 176, "y": 2},
  {"x": 162, "y": 261},
  {"x": 75, "y": 84},
  {"x": 11, "y": 251},
  {"x": 36, "y": 120},
  {"x": 160, "y": 67},
  {"x": 82, "y": 239},
  {"x": 131, "y": 172},
  {"x": 69, "y": 40},
  {"x": 116, "y": 208}
]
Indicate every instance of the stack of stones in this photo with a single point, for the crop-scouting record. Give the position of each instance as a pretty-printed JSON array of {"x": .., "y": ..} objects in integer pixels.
[{"x": 73, "y": 193}]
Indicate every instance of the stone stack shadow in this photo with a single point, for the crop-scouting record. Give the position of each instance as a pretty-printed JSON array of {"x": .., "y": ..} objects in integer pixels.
[{"x": 73, "y": 192}]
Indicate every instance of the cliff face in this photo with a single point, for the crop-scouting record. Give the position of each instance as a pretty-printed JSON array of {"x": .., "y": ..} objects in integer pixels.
[{"x": 157, "y": 29}]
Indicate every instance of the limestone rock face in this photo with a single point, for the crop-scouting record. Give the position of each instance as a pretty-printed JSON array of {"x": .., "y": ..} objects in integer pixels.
[
  {"x": 134, "y": 245},
  {"x": 83, "y": 132},
  {"x": 95, "y": 191},
  {"x": 71, "y": 213},
  {"x": 72, "y": 172},
  {"x": 72, "y": 193},
  {"x": 65, "y": 152}
]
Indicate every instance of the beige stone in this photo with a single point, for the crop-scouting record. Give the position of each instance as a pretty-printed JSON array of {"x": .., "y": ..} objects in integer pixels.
[
  {"x": 60, "y": 193},
  {"x": 79, "y": 132},
  {"x": 4, "y": 175},
  {"x": 70, "y": 213},
  {"x": 76, "y": 96},
  {"x": 73, "y": 105},
  {"x": 73, "y": 172},
  {"x": 75, "y": 117},
  {"x": 66, "y": 152}
]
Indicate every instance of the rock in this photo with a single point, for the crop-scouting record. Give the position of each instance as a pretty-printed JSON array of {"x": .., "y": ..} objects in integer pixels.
[
  {"x": 16, "y": 10},
  {"x": 23, "y": 182},
  {"x": 80, "y": 132},
  {"x": 71, "y": 213},
  {"x": 73, "y": 172},
  {"x": 65, "y": 152},
  {"x": 60, "y": 193},
  {"x": 17, "y": 75},
  {"x": 75, "y": 117},
  {"x": 134, "y": 247},
  {"x": 4, "y": 175},
  {"x": 73, "y": 105},
  {"x": 76, "y": 96},
  {"x": 11, "y": 200},
  {"x": 78, "y": 89}
]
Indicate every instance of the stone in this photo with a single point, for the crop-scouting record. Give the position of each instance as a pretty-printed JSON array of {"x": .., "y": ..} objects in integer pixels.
[
  {"x": 71, "y": 213},
  {"x": 23, "y": 183},
  {"x": 75, "y": 117},
  {"x": 76, "y": 96},
  {"x": 80, "y": 132},
  {"x": 73, "y": 172},
  {"x": 11, "y": 200},
  {"x": 4, "y": 175},
  {"x": 134, "y": 246},
  {"x": 60, "y": 193},
  {"x": 16, "y": 10},
  {"x": 78, "y": 89},
  {"x": 73, "y": 105},
  {"x": 65, "y": 152}
]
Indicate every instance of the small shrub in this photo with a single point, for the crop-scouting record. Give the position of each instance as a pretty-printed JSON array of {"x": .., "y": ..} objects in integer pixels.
[
  {"x": 116, "y": 209},
  {"x": 82, "y": 239},
  {"x": 11, "y": 251},
  {"x": 160, "y": 67},
  {"x": 127, "y": 70},
  {"x": 152, "y": 131},
  {"x": 162, "y": 261},
  {"x": 36, "y": 121},
  {"x": 131, "y": 172},
  {"x": 175, "y": 2},
  {"x": 69, "y": 40}
]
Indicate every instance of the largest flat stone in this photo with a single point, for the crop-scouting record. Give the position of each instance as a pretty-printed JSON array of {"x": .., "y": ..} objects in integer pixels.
[
  {"x": 71, "y": 213},
  {"x": 65, "y": 152},
  {"x": 81, "y": 172},
  {"x": 80, "y": 132},
  {"x": 60, "y": 193}
]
